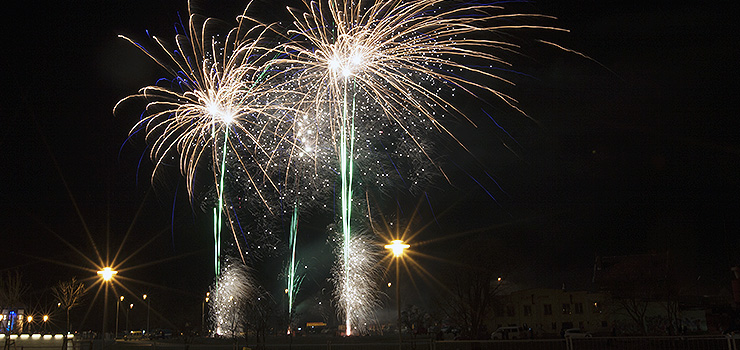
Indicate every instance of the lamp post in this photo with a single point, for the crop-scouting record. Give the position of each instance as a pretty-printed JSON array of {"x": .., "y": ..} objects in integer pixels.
[
  {"x": 397, "y": 247},
  {"x": 126, "y": 330},
  {"x": 29, "y": 319},
  {"x": 203, "y": 314},
  {"x": 118, "y": 307},
  {"x": 106, "y": 274},
  {"x": 147, "y": 315}
]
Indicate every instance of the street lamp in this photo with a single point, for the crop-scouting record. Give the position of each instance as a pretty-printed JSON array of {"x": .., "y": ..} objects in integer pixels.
[
  {"x": 118, "y": 307},
  {"x": 46, "y": 318},
  {"x": 147, "y": 315},
  {"x": 106, "y": 274},
  {"x": 397, "y": 247},
  {"x": 126, "y": 330},
  {"x": 203, "y": 314},
  {"x": 29, "y": 319}
]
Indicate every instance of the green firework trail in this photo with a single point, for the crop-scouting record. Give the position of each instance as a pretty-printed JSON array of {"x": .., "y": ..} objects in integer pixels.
[
  {"x": 346, "y": 150},
  {"x": 293, "y": 279},
  {"x": 217, "y": 214}
]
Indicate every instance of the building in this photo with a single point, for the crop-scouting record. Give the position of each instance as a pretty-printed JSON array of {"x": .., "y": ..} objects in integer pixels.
[{"x": 549, "y": 311}]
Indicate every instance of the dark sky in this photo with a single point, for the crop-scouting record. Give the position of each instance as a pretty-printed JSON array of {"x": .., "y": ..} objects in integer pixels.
[{"x": 633, "y": 151}]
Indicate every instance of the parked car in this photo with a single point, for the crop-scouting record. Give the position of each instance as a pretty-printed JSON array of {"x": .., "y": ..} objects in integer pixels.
[
  {"x": 577, "y": 333},
  {"x": 508, "y": 333}
]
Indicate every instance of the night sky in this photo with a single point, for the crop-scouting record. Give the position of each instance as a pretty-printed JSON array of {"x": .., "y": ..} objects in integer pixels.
[{"x": 633, "y": 151}]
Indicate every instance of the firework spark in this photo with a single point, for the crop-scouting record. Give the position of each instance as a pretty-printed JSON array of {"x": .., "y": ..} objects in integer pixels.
[
  {"x": 293, "y": 278},
  {"x": 357, "y": 275},
  {"x": 233, "y": 291}
]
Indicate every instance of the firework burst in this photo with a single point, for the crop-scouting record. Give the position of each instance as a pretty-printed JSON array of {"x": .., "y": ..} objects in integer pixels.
[
  {"x": 401, "y": 58},
  {"x": 395, "y": 51},
  {"x": 216, "y": 111}
]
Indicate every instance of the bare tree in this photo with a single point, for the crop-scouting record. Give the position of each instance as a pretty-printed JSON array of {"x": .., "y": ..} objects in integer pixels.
[
  {"x": 259, "y": 312},
  {"x": 11, "y": 291},
  {"x": 68, "y": 294},
  {"x": 472, "y": 287},
  {"x": 634, "y": 281}
]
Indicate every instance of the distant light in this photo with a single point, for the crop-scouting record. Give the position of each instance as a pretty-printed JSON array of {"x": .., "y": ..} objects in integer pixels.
[
  {"x": 30, "y": 318},
  {"x": 121, "y": 298},
  {"x": 46, "y": 318},
  {"x": 389, "y": 284},
  {"x": 144, "y": 296},
  {"x": 131, "y": 306}
]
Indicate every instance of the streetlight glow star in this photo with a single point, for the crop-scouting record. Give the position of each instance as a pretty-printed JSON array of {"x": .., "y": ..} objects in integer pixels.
[
  {"x": 107, "y": 273},
  {"x": 397, "y": 247}
]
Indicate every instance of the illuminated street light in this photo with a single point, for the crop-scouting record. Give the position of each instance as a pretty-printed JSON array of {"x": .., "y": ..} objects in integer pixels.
[
  {"x": 126, "y": 330},
  {"x": 147, "y": 314},
  {"x": 29, "y": 319},
  {"x": 107, "y": 273},
  {"x": 397, "y": 247},
  {"x": 118, "y": 307},
  {"x": 203, "y": 314}
]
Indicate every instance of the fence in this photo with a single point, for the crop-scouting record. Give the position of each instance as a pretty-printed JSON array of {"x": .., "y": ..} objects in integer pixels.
[
  {"x": 595, "y": 343},
  {"x": 598, "y": 343}
]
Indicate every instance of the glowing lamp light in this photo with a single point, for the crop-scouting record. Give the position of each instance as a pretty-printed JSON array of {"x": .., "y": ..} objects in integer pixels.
[
  {"x": 107, "y": 273},
  {"x": 397, "y": 246},
  {"x": 46, "y": 318}
]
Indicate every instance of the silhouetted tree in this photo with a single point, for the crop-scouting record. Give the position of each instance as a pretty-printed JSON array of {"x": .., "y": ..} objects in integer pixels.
[
  {"x": 11, "y": 292},
  {"x": 69, "y": 295},
  {"x": 634, "y": 281},
  {"x": 472, "y": 285}
]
